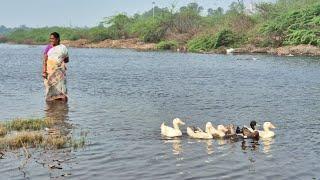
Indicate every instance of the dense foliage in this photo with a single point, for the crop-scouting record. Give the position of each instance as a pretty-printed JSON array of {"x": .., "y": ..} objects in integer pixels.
[
  {"x": 286, "y": 22},
  {"x": 295, "y": 27},
  {"x": 167, "y": 45}
]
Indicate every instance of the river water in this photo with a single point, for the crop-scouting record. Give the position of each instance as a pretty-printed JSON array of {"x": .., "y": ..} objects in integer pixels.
[{"x": 120, "y": 98}]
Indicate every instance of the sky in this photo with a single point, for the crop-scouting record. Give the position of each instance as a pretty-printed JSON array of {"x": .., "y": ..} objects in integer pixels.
[{"x": 81, "y": 13}]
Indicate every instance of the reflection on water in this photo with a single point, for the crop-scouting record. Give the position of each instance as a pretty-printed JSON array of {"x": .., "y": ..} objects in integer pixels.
[
  {"x": 207, "y": 143},
  {"x": 56, "y": 160},
  {"x": 209, "y": 146},
  {"x": 250, "y": 144},
  {"x": 253, "y": 146},
  {"x": 111, "y": 90},
  {"x": 221, "y": 141},
  {"x": 246, "y": 144},
  {"x": 267, "y": 142},
  {"x": 176, "y": 145},
  {"x": 57, "y": 110}
]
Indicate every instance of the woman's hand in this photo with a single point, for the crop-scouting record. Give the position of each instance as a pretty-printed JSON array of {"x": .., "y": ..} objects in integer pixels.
[
  {"x": 44, "y": 75},
  {"x": 66, "y": 59},
  {"x": 44, "y": 68}
]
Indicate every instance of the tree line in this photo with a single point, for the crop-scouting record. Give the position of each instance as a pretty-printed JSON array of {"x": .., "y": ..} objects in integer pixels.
[{"x": 286, "y": 22}]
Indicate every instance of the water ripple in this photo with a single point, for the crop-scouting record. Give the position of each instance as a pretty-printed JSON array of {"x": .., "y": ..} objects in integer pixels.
[{"x": 121, "y": 97}]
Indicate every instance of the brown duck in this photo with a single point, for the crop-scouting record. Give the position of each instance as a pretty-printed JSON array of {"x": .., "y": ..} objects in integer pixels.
[{"x": 247, "y": 132}]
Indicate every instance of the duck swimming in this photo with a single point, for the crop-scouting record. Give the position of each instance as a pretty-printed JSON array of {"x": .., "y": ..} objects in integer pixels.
[
  {"x": 252, "y": 127},
  {"x": 199, "y": 134},
  {"x": 172, "y": 132},
  {"x": 249, "y": 132},
  {"x": 219, "y": 132},
  {"x": 267, "y": 133},
  {"x": 231, "y": 131},
  {"x": 222, "y": 128}
]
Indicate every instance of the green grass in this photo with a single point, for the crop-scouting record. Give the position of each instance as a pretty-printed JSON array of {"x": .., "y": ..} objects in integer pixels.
[
  {"x": 31, "y": 133},
  {"x": 167, "y": 45}
]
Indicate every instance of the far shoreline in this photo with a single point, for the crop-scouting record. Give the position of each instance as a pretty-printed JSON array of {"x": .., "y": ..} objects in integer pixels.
[{"x": 138, "y": 45}]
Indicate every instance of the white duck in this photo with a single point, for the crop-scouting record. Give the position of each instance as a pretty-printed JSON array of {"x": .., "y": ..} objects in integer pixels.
[
  {"x": 267, "y": 133},
  {"x": 172, "y": 132},
  {"x": 219, "y": 132},
  {"x": 222, "y": 128},
  {"x": 199, "y": 134}
]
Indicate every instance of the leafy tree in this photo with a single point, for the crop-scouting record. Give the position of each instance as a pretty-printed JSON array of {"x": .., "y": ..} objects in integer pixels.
[
  {"x": 118, "y": 25},
  {"x": 266, "y": 10},
  {"x": 149, "y": 30},
  {"x": 188, "y": 19},
  {"x": 215, "y": 12},
  {"x": 236, "y": 7},
  {"x": 99, "y": 33},
  {"x": 192, "y": 7},
  {"x": 157, "y": 12}
]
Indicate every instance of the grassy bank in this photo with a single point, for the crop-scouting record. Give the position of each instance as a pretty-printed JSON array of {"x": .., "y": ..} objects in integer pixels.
[
  {"x": 36, "y": 133},
  {"x": 268, "y": 25}
]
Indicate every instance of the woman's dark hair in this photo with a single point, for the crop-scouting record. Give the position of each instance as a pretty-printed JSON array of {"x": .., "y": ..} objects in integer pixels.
[{"x": 56, "y": 35}]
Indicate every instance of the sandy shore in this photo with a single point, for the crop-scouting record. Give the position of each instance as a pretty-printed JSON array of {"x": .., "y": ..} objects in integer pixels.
[
  {"x": 135, "y": 43},
  {"x": 307, "y": 50}
]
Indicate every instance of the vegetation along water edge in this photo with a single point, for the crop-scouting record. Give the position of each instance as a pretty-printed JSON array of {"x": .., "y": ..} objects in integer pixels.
[{"x": 286, "y": 27}]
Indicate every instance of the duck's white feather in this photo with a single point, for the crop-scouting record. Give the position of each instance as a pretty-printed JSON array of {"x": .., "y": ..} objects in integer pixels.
[
  {"x": 219, "y": 132},
  {"x": 172, "y": 132},
  {"x": 199, "y": 133},
  {"x": 249, "y": 128},
  {"x": 267, "y": 133}
]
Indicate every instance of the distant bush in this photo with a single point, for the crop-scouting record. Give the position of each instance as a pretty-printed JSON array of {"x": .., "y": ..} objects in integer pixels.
[
  {"x": 209, "y": 42},
  {"x": 118, "y": 26},
  {"x": 154, "y": 34},
  {"x": 99, "y": 34},
  {"x": 303, "y": 36},
  {"x": 167, "y": 45},
  {"x": 41, "y": 35},
  {"x": 149, "y": 30},
  {"x": 295, "y": 27},
  {"x": 202, "y": 43},
  {"x": 224, "y": 38}
]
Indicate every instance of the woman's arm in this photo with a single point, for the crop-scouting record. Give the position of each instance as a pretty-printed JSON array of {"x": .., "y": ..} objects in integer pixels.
[
  {"x": 66, "y": 59},
  {"x": 44, "y": 66}
]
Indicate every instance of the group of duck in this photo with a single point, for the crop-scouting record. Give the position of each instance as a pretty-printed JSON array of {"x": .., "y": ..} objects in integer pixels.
[{"x": 220, "y": 131}]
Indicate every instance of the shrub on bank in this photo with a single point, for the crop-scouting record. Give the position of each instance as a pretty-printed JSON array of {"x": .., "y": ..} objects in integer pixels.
[
  {"x": 208, "y": 42},
  {"x": 148, "y": 30},
  {"x": 41, "y": 35},
  {"x": 295, "y": 27},
  {"x": 303, "y": 37},
  {"x": 201, "y": 43},
  {"x": 99, "y": 34},
  {"x": 167, "y": 45},
  {"x": 224, "y": 38}
]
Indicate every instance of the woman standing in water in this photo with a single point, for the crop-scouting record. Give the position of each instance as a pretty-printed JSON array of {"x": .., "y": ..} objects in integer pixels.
[{"x": 54, "y": 69}]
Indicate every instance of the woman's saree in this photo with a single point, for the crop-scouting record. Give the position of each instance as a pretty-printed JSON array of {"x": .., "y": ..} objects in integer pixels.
[{"x": 56, "y": 84}]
